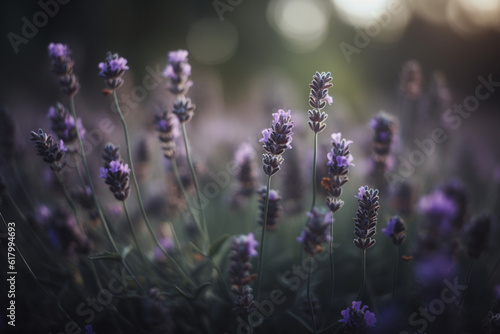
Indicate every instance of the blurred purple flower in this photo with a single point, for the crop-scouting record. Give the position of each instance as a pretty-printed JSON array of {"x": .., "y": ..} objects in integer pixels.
[
  {"x": 357, "y": 319},
  {"x": 316, "y": 231}
]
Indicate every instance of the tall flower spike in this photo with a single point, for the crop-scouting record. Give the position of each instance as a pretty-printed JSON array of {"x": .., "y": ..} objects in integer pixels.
[
  {"x": 366, "y": 217},
  {"x": 168, "y": 131},
  {"x": 339, "y": 160},
  {"x": 117, "y": 177},
  {"x": 396, "y": 230},
  {"x": 478, "y": 235},
  {"x": 63, "y": 124},
  {"x": 274, "y": 211},
  {"x": 246, "y": 174},
  {"x": 178, "y": 71},
  {"x": 184, "y": 109},
  {"x": 112, "y": 70},
  {"x": 242, "y": 250},
  {"x": 357, "y": 319},
  {"x": 318, "y": 98},
  {"x": 49, "y": 150},
  {"x": 276, "y": 140},
  {"x": 316, "y": 231},
  {"x": 62, "y": 65}
]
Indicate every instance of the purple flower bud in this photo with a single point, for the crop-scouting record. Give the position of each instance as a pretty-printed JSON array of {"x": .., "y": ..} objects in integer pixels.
[
  {"x": 112, "y": 70},
  {"x": 58, "y": 50},
  {"x": 316, "y": 231},
  {"x": 396, "y": 230},
  {"x": 366, "y": 217},
  {"x": 276, "y": 140}
]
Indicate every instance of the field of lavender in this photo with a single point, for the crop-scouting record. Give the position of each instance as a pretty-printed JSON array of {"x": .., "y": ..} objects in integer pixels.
[{"x": 182, "y": 217}]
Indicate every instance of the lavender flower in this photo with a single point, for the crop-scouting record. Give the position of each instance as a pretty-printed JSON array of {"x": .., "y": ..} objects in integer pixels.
[
  {"x": 383, "y": 126},
  {"x": 357, "y": 319},
  {"x": 110, "y": 153},
  {"x": 49, "y": 150},
  {"x": 339, "y": 160},
  {"x": 318, "y": 98},
  {"x": 276, "y": 140},
  {"x": 242, "y": 249},
  {"x": 247, "y": 175},
  {"x": 274, "y": 209},
  {"x": 117, "y": 177},
  {"x": 395, "y": 229},
  {"x": 62, "y": 65},
  {"x": 316, "y": 231},
  {"x": 63, "y": 124},
  {"x": 478, "y": 235},
  {"x": 178, "y": 71},
  {"x": 184, "y": 109},
  {"x": 168, "y": 132},
  {"x": 366, "y": 217},
  {"x": 439, "y": 210},
  {"x": 112, "y": 70},
  {"x": 167, "y": 243},
  {"x": 156, "y": 314}
]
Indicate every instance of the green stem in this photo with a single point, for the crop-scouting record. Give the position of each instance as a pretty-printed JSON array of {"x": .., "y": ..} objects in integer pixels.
[
  {"x": 70, "y": 201},
  {"x": 139, "y": 198},
  {"x": 395, "y": 279},
  {"x": 363, "y": 264},
  {"x": 332, "y": 272},
  {"x": 262, "y": 239},
  {"x": 87, "y": 171},
  {"x": 467, "y": 281},
  {"x": 314, "y": 170},
  {"x": 311, "y": 309},
  {"x": 134, "y": 236},
  {"x": 186, "y": 197},
  {"x": 195, "y": 181}
]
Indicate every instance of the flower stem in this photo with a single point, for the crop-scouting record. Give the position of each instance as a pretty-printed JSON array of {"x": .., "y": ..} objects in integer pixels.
[
  {"x": 139, "y": 198},
  {"x": 87, "y": 171},
  {"x": 314, "y": 170},
  {"x": 467, "y": 281},
  {"x": 18, "y": 177},
  {"x": 332, "y": 271},
  {"x": 363, "y": 264},
  {"x": 262, "y": 238},
  {"x": 395, "y": 279},
  {"x": 70, "y": 201},
  {"x": 311, "y": 309},
  {"x": 186, "y": 197},
  {"x": 195, "y": 181},
  {"x": 134, "y": 236}
]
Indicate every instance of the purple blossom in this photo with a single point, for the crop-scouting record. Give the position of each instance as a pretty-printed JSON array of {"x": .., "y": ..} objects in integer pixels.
[
  {"x": 389, "y": 228},
  {"x": 167, "y": 244},
  {"x": 266, "y": 134},
  {"x": 316, "y": 231},
  {"x": 365, "y": 221},
  {"x": 178, "y": 56},
  {"x": 112, "y": 69},
  {"x": 276, "y": 140},
  {"x": 361, "y": 193},
  {"x": 58, "y": 50},
  {"x": 117, "y": 177},
  {"x": 251, "y": 244},
  {"x": 318, "y": 98},
  {"x": 358, "y": 319},
  {"x": 396, "y": 230},
  {"x": 178, "y": 71},
  {"x": 438, "y": 205},
  {"x": 328, "y": 99}
]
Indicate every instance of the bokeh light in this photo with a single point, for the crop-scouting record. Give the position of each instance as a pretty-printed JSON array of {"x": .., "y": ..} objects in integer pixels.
[{"x": 302, "y": 23}]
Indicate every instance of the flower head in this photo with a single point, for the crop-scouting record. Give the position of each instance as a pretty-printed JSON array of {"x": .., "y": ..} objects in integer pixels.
[
  {"x": 357, "y": 319},
  {"x": 318, "y": 98},
  {"x": 366, "y": 217},
  {"x": 64, "y": 125},
  {"x": 51, "y": 151},
  {"x": 62, "y": 65},
  {"x": 178, "y": 71},
  {"x": 116, "y": 175},
  {"x": 396, "y": 230},
  {"x": 58, "y": 50},
  {"x": 316, "y": 231},
  {"x": 242, "y": 249},
  {"x": 167, "y": 127},
  {"x": 274, "y": 209},
  {"x": 112, "y": 70},
  {"x": 276, "y": 140}
]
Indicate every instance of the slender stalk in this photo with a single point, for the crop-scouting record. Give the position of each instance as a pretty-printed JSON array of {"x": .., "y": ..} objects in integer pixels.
[
  {"x": 314, "y": 170},
  {"x": 186, "y": 197},
  {"x": 134, "y": 236},
  {"x": 262, "y": 238},
  {"x": 332, "y": 271},
  {"x": 87, "y": 171},
  {"x": 70, "y": 201},
  {"x": 311, "y": 309},
  {"x": 467, "y": 281},
  {"x": 195, "y": 181},
  {"x": 15, "y": 168},
  {"x": 19, "y": 212},
  {"x": 395, "y": 279},
  {"x": 364, "y": 276},
  {"x": 139, "y": 198}
]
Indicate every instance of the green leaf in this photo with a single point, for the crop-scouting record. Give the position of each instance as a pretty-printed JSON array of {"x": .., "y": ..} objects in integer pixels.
[
  {"x": 106, "y": 256},
  {"x": 217, "y": 245},
  {"x": 188, "y": 295},
  {"x": 196, "y": 249}
]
